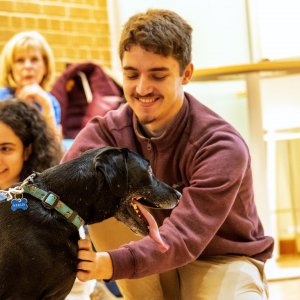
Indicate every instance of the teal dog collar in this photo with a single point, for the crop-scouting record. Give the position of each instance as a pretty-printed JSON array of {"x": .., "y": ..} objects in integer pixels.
[{"x": 51, "y": 200}]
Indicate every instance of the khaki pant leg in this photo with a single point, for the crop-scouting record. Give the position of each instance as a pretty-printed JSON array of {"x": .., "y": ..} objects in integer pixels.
[
  {"x": 234, "y": 278},
  {"x": 170, "y": 285},
  {"x": 147, "y": 288},
  {"x": 111, "y": 234}
]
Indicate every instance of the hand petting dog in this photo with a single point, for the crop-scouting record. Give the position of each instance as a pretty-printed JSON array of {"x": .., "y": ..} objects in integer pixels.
[{"x": 92, "y": 265}]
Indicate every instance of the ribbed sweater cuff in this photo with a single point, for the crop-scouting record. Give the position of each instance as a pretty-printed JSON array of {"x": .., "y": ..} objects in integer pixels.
[{"x": 123, "y": 263}]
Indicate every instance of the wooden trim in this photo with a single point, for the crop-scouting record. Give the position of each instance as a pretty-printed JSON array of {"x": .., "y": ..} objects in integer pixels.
[{"x": 234, "y": 72}]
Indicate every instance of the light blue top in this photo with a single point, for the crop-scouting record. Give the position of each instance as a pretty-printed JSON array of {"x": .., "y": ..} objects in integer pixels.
[{"x": 7, "y": 93}]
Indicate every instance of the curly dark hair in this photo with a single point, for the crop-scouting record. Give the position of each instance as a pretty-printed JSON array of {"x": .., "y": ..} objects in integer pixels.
[
  {"x": 27, "y": 123},
  {"x": 160, "y": 31}
]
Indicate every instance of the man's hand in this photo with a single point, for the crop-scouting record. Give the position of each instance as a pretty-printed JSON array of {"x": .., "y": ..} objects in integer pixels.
[{"x": 92, "y": 265}]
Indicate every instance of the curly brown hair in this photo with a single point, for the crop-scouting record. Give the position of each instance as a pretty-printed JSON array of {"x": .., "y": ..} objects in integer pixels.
[
  {"x": 159, "y": 31},
  {"x": 27, "y": 123}
]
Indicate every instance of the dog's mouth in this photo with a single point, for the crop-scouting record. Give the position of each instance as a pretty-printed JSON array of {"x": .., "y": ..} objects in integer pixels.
[
  {"x": 144, "y": 202},
  {"x": 148, "y": 220}
]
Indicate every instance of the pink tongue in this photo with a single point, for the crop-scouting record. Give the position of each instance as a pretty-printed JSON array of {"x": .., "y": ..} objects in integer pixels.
[{"x": 153, "y": 228}]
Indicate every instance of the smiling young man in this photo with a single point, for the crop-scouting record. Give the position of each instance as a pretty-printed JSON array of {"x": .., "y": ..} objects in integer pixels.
[{"x": 215, "y": 240}]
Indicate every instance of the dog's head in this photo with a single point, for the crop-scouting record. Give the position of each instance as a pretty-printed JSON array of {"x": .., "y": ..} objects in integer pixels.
[
  {"x": 130, "y": 177},
  {"x": 107, "y": 182}
]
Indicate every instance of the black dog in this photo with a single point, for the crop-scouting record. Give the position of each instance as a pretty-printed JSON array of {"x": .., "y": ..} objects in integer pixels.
[{"x": 38, "y": 252}]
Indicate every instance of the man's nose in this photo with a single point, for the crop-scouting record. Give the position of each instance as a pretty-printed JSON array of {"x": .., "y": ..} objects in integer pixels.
[{"x": 143, "y": 86}]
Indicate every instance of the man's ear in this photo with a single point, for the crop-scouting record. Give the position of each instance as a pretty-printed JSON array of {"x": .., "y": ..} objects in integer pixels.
[
  {"x": 113, "y": 165},
  {"x": 187, "y": 73},
  {"x": 27, "y": 152}
]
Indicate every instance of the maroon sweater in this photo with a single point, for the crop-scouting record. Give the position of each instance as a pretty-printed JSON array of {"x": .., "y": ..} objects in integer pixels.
[{"x": 209, "y": 161}]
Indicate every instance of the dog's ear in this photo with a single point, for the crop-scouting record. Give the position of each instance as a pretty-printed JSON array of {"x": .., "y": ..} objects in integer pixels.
[{"x": 112, "y": 163}]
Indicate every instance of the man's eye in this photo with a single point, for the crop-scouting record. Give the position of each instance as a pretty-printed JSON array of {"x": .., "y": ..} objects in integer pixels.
[
  {"x": 131, "y": 76},
  {"x": 159, "y": 77}
]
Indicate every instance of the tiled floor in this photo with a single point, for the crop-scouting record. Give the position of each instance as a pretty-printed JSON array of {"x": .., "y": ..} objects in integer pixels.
[
  {"x": 283, "y": 268},
  {"x": 285, "y": 289},
  {"x": 284, "y": 278}
]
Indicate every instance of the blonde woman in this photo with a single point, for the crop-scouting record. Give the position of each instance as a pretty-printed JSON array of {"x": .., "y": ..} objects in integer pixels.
[{"x": 27, "y": 72}]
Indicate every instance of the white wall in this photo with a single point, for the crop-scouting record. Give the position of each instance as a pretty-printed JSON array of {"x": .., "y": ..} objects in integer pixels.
[
  {"x": 220, "y": 30},
  {"x": 281, "y": 102},
  {"x": 279, "y": 24}
]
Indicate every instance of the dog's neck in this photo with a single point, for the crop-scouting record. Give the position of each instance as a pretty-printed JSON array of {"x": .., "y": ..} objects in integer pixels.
[
  {"x": 81, "y": 191},
  {"x": 52, "y": 201}
]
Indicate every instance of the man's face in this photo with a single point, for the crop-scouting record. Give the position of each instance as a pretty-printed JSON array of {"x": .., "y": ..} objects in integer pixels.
[{"x": 153, "y": 87}]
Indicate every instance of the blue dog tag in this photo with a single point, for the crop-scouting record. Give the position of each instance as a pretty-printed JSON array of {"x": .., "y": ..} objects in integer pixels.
[{"x": 19, "y": 204}]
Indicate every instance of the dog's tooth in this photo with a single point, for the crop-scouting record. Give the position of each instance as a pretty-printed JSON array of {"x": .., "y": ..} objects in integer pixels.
[{"x": 135, "y": 207}]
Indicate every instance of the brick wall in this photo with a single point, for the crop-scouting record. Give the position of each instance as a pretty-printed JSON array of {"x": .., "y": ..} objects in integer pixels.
[{"x": 77, "y": 30}]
